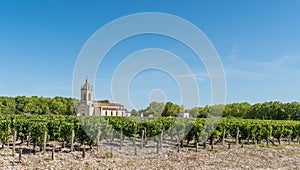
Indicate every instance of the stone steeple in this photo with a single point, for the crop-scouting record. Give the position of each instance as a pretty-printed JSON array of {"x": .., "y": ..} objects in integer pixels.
[{"x": 87, "y": 93}]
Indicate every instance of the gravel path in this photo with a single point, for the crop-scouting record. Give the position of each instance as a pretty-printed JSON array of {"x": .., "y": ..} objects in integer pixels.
[{"x": 248, "y": 157}]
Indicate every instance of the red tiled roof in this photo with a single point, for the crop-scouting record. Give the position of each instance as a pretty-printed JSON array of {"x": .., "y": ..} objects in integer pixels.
[{"x": 106, "y": 104}]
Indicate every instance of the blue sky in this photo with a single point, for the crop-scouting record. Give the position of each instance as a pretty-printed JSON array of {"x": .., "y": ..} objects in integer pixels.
[{"x": 258, "y": 43}]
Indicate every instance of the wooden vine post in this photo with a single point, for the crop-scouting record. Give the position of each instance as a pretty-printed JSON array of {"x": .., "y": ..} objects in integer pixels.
[
  {"x": 83, "y": 151},
  {"x": 98, "y": 140},
  {"x": 145, "y": 136},
  {"x": 161, "y": 139},
  {"x": 45, "y": 141},
  {"x": 237, "y": 137},
  {"x": 163, "y": 130},
  {"x": 111, "y": 149},
  {"x": 28, "y": 140},
  {"x": 121, "y": 139},
  {"x": 14, "y": 142},
  {"x": 223, "y": 138},
  {"x": 178, "y": 142},
  {"x": 289, "y": 138},
  {"x": 196, "y": 144},
  {"x": 53, "y": 154},
  {"x": 134, "y": 145},
  {"x": 142, "y": 139},
  {"x": 72, "y": 141},
  {"x": 157, "y": 146},
  {"x": 20, "y": 155},
  {"x": 212, "y": 143},
  {"x": 248, "y": 139},
  {"x": 8, "y": 142}
]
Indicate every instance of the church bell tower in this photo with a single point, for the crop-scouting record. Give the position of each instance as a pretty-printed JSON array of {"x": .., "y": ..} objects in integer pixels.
[{"x": 87, "y": 93}]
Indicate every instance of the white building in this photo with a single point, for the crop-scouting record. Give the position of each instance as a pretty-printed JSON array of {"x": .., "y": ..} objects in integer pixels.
[
  {"x": 183, "y": 115},
  {"x": 88, "y": 107}
]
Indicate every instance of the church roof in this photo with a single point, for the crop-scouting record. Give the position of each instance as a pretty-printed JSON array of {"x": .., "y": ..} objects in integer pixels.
[
  {"x": 106, "y": 104},
  {"x": 86, "y": 84}
]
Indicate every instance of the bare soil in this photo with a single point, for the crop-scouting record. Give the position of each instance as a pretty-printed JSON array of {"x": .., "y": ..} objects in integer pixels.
[{"x": 237, "y": 157}]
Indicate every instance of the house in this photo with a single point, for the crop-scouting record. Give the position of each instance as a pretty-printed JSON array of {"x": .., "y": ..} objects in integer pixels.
[
  {"x": 183, "y": 115},
  {"x": 88, "y": 107}
]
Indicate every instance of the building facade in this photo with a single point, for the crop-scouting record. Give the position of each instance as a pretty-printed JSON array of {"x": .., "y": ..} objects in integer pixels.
[
  {"x": 183, "y": 115},
  {"x": 88, "y": 107}
]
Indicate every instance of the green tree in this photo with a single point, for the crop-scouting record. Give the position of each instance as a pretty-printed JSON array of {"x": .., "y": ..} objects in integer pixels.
[
  {"x": 103, "y": 101},
  {"x": 171, "y": 110},
  {"x": 58, "y": 107},
  {"x": 134, "y": 112},
  {"x": 21, "y": 102},
  {"x": 8, "y": 105},
  {"x": 33, "y": 106},
  {"x": 293, "y": 110},
  {"x": 194, "y": 112},
  {"x": 237, "y": 110},
  {"x": 216, "y": 110},
  {"x": 45, "y": 105},
  {"x": 154, "y": 108},
  {"x": 203, "y": 112}
]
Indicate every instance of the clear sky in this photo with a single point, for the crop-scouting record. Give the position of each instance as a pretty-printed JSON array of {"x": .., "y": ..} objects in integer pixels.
[{"x": 258, "y": 43}]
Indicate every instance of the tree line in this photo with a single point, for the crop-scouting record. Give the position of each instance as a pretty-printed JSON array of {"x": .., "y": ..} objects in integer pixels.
[
  {"x": 273, "y": 110},
  {"x": 38, "y": 105}
]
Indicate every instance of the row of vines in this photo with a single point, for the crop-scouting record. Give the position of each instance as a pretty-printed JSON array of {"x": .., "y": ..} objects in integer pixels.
[{"x": 91, "y": 129}]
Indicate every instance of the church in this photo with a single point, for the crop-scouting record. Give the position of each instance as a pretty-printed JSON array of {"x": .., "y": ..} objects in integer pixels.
[{"x": 88, "y": 107}]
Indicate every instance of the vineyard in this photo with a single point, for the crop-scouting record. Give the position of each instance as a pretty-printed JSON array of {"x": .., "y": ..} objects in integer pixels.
[
  {"x": 38, "y": 130},
  {"x": 36, "y": 135}
]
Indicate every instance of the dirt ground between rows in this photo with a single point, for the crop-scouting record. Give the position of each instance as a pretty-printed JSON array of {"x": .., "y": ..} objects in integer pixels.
[{"x": 246, "y": 157}]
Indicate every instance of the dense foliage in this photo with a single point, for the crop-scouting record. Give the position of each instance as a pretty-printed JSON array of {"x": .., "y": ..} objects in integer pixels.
[
  {"x": 67, "y": 106},
  {"x": 38, "y": 105},
  {"x": 266, "y": 111},
  {"x": 170, "y": 110},
  {"x": 89, "y": 129}
]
